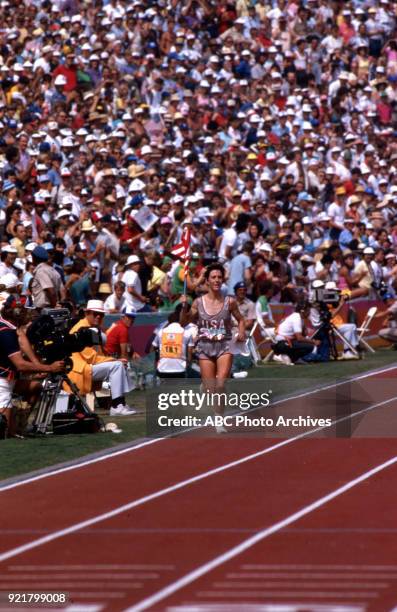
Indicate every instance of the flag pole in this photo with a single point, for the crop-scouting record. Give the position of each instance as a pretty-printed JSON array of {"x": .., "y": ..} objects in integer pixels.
[{"x": 187, "y": 260}]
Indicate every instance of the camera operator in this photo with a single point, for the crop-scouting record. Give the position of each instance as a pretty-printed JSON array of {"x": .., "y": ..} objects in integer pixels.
[
  {"x": 90, "y": 366},
  {"x": 14, "y": 316},
  {"x": 348, "y": 330},
  {"x": 323, "y": 314},
  {"x": 292, "y": 345},
  {"x": 319, "y": 317}
]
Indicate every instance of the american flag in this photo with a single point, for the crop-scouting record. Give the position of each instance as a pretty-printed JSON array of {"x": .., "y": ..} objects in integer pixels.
[{"x": 182, "y": 249}]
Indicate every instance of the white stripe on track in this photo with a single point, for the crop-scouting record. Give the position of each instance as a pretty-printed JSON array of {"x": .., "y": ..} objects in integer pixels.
[
  {"x": 14, "y": 552},
  {"x": 259, "y": 537},
  {"x": 131, "y": 449}
]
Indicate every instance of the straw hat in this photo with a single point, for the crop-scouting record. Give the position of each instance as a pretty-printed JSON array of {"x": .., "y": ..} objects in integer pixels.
[
  {"x": 105, "y": 288},
  {"x": 87, "y": 226}
]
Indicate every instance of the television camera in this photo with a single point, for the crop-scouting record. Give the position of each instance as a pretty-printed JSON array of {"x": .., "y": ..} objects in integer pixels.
[
  {"x": 321, "y": 295},
  {"x": 51, "y": 341},
  {"x": 322, "y": 299}
]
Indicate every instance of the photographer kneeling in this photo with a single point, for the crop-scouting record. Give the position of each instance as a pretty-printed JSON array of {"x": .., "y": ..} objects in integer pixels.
[
  {"x": 90, "y": 366},
  {"x": 291, "y": 343},
  {"x": 14, "y": 316}
]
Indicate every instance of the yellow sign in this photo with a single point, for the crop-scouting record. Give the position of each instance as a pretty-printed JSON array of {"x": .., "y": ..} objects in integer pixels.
[{"x": 171, "y": 345}]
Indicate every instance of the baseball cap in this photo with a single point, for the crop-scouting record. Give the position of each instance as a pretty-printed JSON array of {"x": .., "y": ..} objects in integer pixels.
[
  {"x": 129, "y": 312},
  {"x": 40, "y": 253},
  {"x": 165, "y": 221},
  {"x": 132, "y": 259}
]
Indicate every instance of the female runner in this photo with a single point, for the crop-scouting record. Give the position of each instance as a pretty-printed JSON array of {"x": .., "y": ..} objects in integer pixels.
[{"x": 212, "y": 313}]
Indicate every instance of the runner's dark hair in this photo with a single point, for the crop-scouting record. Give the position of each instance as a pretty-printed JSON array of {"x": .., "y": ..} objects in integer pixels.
[{"x": 212, "y": 267}]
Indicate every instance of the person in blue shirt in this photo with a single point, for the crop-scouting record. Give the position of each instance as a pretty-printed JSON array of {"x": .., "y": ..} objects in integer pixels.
[
  {"x": 240, "y": 267},
  {"x": 346, "y": 235}
]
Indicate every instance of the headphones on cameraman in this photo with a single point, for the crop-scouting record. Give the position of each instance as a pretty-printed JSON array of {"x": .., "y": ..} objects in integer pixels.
[
  {"x": 15, "y": 300},
  {"x": 14, "y": 306}
]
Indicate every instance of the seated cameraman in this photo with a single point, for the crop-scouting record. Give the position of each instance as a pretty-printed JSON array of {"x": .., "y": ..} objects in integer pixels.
[
  {"x": 13, "y": 316},
  {"x": 323, "y": 313},
  {"x": 348, "y": 330},
  {"x": 291, "y": 343},
  {"x": 89, "y": 365}
]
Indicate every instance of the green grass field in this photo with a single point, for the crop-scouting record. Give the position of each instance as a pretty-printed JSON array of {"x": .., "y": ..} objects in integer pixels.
[{"x": 22, "y": 456}]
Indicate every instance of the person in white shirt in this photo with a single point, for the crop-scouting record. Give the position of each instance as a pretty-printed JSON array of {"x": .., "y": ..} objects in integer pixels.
[
  {"x": 116, "y": 301},
  {"x": 337, "y": 211},
  {"x": 228, "y": 241},
  {"x": 174, "y": 345},
  {"x": 291, "y": 343},
  {"x": 133, "y": 293}
]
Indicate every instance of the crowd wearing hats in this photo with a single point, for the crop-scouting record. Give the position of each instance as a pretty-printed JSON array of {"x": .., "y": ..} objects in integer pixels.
[{"x": 266, "y": 127}]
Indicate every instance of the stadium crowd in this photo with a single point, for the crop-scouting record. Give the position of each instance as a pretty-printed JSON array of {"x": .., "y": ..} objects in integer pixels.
[{"x": 268, "y": 127}]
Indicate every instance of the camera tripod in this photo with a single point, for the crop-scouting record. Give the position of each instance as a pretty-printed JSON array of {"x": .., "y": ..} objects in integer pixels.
[
  {"x": 332, "y": 333},
  {"x": 52, "y": 386}
]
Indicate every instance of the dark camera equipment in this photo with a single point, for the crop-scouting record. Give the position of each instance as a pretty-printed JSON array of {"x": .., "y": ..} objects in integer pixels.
[
  {"x": 380, "y": 288},
  {"x": 51, "y": 341},
  {"x": 321, "y": 300},
  {"x": 3, "y": 427},
  {"x": 326, "y": 296}
]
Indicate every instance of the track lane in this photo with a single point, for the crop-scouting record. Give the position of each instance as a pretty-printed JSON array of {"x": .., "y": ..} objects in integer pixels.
[
  {"x": 343, "y": 553},
  {"x": 143, "y": 473},
  {"x": 291, "y": 478}
]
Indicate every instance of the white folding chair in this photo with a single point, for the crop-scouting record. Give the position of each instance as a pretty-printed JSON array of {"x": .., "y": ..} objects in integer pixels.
[
  {"x": 267, "y": 336},
  {"x": 364, "y": 327}
]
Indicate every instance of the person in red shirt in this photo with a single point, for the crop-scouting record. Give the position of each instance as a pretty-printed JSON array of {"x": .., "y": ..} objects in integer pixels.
[
  {"x": 131, "y": 233},
  {"x": 117, "y": 336},
  {"x": 69, "y": 71}
]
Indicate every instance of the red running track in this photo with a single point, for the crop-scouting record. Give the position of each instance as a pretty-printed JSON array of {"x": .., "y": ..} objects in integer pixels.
[{"x": 341, "y": 553}]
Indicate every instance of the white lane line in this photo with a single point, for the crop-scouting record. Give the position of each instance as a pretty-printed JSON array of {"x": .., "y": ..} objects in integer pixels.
[
  {"x": 68, "y": 468},
  {"x": 259, "y": 537},
  {"x": 320, "y": 566},
  {"x": 56, "y": 568},
  {"x": 87, "y": 584},
  {"x": 285, "y": 584},
  {"x": 14, "y": 552},
  {"x": 114, "y": 576},
  {"x": 268, "y": 607},
  {"x": 83, "y": 608},
  {"x": 247, "y": 576},
  {"x": 266, "y": 594},
  {"x": 148, "y": 442},
  {"x": 99, "y": 595}
]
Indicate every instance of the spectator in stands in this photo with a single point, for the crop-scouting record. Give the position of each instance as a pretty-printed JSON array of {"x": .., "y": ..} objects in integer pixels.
[
  {"x": 47, "y": 286},
  {"x": 115, "y": 303}
]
